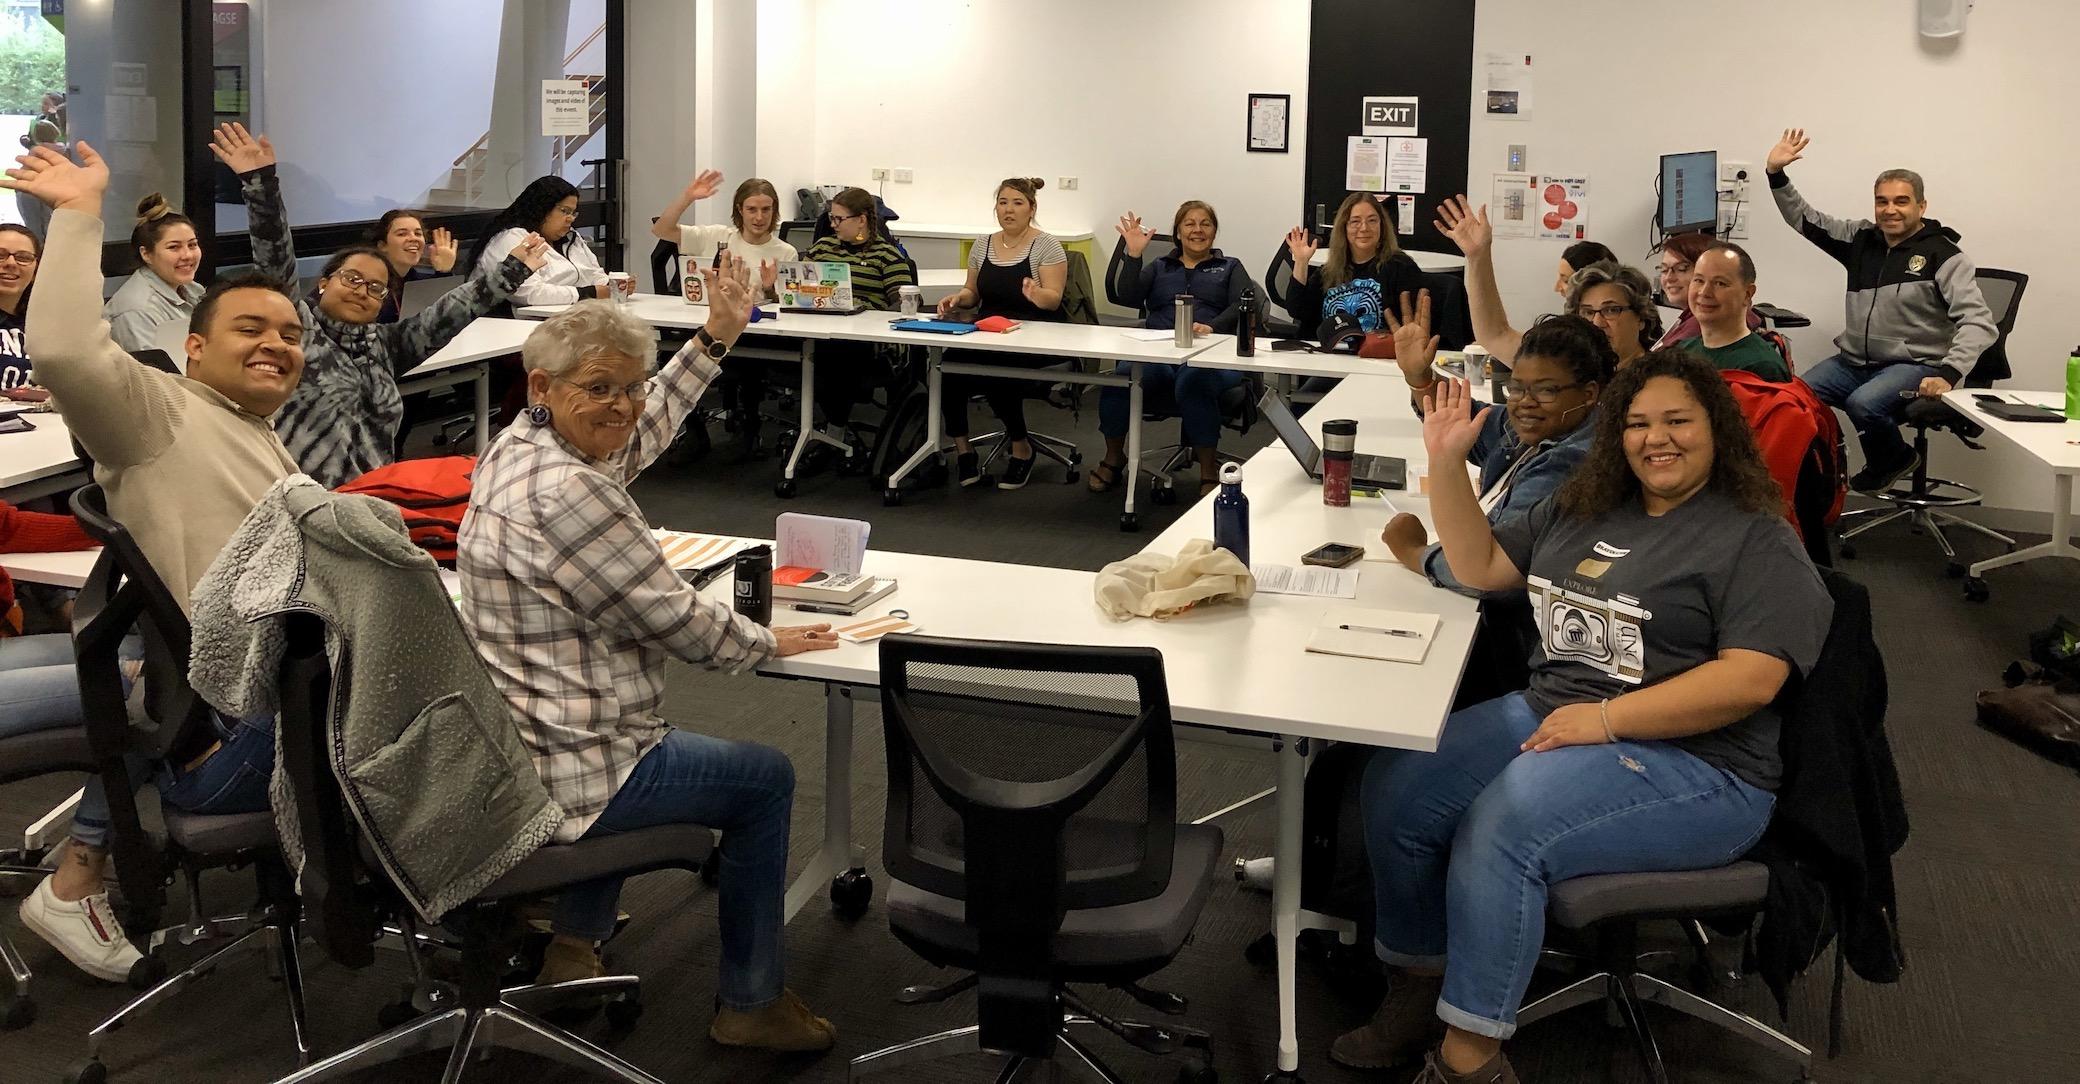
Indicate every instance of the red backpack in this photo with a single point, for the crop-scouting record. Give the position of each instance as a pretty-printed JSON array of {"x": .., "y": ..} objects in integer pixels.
[
  {"x": 1801, "y": 444},
  {"x": 432, "y": 493}
]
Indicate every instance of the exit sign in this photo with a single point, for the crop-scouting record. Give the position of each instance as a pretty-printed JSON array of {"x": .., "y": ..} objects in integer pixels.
[{"x": 1390, "y": 116}]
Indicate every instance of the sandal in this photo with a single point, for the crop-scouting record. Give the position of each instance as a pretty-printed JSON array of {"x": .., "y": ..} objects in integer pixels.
[{"x": 1101, "y": 483}]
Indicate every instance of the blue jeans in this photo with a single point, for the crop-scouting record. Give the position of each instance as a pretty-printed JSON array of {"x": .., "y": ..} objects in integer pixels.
[
  {"x": 1465, "y": 841},
  {"x": 1870, "y": 394},
  {"x": 39, "y": 684},
  {"x": 746, "y": 792},
  {"x": 1194, "y": 395},
  {"x": 233, "y": 780}
]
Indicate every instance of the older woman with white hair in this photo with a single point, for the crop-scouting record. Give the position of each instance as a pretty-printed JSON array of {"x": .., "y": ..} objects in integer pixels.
[{"x": 575, "y": 610}]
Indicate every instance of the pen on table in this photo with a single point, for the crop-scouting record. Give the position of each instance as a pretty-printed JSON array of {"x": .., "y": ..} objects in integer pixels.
[
  {"x": 1383, "y": 632},
  {"x": 812, "y": 608}
]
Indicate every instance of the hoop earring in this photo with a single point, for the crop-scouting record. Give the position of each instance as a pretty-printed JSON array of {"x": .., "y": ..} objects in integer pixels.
[{"x": 537, "y": 413}]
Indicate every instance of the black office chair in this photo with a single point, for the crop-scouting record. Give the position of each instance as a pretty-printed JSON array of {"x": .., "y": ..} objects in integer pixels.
[
  {"x": 124, "y": 595},
  {"x": 1031, "y": 839},
  {"x": 347, "y": 896},
  {"x": 1278, "y": 289},
  {"x": 1067, "y": 395},
  {"x": 1924, "y": 499},
  {"x": 27, "y": 756}
]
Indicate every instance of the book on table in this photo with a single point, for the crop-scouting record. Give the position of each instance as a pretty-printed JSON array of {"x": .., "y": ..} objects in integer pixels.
[
  {"x": 878, "y": 588},
  {"x": 796, "y": 583}
]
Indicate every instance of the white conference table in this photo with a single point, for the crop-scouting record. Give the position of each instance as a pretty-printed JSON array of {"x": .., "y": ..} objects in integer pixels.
[
  {"x": 1427, "y": 261},
  {"x": 40, "y": 462},
  {"x": 65, "y": 568},
  {"x": 2056, "y": 446},
  {"x": 465, "y": 359}
]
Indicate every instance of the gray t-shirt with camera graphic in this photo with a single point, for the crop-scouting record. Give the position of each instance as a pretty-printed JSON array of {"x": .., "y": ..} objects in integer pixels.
[{"x": 1627, "y": 600}]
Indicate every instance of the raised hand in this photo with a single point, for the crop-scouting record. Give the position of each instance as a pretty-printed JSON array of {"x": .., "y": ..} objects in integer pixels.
[
  {"x": 1469, "y": 229},
  {"x": 730, "y": 297},
  {"x": 1135, "y": 236},
  {"x": 532, "y": 251},
  {"x": 704, "y": 184},
  {"x": 58, "y": 180},
  {"x": 768, "y": 274},
  {"x": 240, "y": 149},
  {"x": 1790, "y": 148},
  {"x": 1414, "y": 347},
  {"x": 1450, "y": 425},
  {"x": 1300, "y": 242},
  {"x": 441, "y": 250}
]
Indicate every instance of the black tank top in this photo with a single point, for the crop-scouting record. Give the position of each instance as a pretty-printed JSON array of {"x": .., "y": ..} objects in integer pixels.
[{"x": 999, "y": 290}]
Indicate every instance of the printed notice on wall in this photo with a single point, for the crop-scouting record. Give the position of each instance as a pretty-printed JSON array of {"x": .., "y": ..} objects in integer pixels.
[
  {"x": 1408, "y": 163},
  {"x": 1405, "y": 215},
  {"x": 1511, "y": 198},
  {"x": 1508, "y": 86},
  {"x": 1365, "y": 164},
  {"x": 565, "y": 107},
  {"x": 1563, "y": 208}
]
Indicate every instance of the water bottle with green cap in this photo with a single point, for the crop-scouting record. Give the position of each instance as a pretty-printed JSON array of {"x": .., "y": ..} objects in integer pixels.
[{"x": 2073, "y": 385}]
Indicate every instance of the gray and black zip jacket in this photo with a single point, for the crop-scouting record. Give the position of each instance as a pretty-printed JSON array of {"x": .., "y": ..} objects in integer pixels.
[{"x": 1916, "y": 302}]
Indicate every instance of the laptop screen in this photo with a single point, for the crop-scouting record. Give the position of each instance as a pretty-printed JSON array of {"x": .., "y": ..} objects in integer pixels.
[{"x": 1292, "y": 433}]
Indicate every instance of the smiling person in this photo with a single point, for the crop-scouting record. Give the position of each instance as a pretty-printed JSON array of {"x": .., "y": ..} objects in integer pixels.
[
  {"x": 342, "y": 421},
  {"x": 1681, "y": 603},
  {"x": 1216, "y": 283},
  {"x": 575, "y": 611},
  {"x": 401, "y": 239},
  {"x": 1914, "y": 321},
  {"x": 1365, "y": 270},
  {"x": 1617, "y": 299},
  {"x": 547, "y": 208},
  {"x": 182, "y": 461},
  {"x": 845, "y": 368},
  {"x": 1722, "y": 295},
  {"x": 1018, "y": 272},
  {"x": 754, "y": 216},
  {"x": 151, "y": 310},
  {"x": 20, "y": 250}
]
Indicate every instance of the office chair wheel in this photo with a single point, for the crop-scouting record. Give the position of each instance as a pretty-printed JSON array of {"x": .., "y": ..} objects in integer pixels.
[
  {"x": 1203, "y": 1074},
  {"x": 1263, "y": 952},
  {"x": 711, "y": 870},
  {"x": 147, "y": 972},
  {"x": 622, "y": 1014},
  {"x": 1163, "y": 495},
  {"x": 1071, "y": 476},
  {"x": 90, "y": 1071},
  {"x": 784, "y": 488},
  {"x": 1976, "y": 590},
  {"x": 1280, "y": 1076},
  {"x": 1848, "y": 551},
  {"x": 21, "y": 1012},
  {"x": 396, "y": 1014},
  {"x": 1128, "y": 521},
  {"x": 1954, "y": 570},
  {"x": 850, "y": 893},
  {"x": 891, "y": 497}
]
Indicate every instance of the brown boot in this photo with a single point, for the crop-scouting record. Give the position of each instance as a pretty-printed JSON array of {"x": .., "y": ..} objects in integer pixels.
[
  {"x": 786, "y": 1025},
  {"x": 1405, "y": 1026},
  {"x": 1497, "y": 1071},
  {"x": 568, "y": 961}
]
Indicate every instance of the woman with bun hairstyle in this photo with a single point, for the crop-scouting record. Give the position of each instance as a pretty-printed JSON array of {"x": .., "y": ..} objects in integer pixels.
[
  {"x": 152, "y": 309},
  {"x": 1018, "y": 272}
]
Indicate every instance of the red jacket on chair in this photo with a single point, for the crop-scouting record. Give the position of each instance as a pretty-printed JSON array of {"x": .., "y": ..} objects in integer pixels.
[{"x": 1801, "y": 444}]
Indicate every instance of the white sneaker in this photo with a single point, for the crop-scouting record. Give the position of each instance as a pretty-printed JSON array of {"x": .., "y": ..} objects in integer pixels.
[{"x": 85, "y": 931}]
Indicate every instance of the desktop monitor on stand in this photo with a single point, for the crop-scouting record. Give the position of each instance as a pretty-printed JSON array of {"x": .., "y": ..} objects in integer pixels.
[{"x": 1689, "y": 190}]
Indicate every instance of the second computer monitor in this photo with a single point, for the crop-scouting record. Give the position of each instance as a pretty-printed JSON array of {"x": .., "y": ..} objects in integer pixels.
[{"x": 1689, "y": 192}]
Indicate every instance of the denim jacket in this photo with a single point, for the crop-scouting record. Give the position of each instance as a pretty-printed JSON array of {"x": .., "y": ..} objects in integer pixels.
[{"x": 1546, "y": 465}]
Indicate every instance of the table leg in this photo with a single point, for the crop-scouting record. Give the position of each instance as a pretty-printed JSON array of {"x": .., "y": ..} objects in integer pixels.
[
  {"x": 934, "y": 428},
  {"x": 2061, "y": 542},
  {"x": 838, "y": 860},
  {"x": 1127, "y": 519},
  {"x": 483, "y": 406},
  {"x": 1285, "y": 895}
]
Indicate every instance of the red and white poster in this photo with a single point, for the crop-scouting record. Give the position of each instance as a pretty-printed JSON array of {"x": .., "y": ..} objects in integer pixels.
[{"x": 1562, "y": 209}]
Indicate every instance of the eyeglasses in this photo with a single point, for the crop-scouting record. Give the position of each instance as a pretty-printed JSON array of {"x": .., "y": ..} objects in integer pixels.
[
  {"x": 352, "y": 280},
  {"x": 1609, "y": 312},
  {"x": 604, "y": 393},
  {"x": 567, "y": 212},
  {"x": 1542, "y": 394},
  {"x": 1675, "y": 269},
  {"x": 20, "y": 259},
  {"x": 835, "y": 219}
]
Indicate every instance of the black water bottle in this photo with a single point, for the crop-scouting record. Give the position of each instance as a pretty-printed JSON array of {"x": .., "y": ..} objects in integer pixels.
[
  {"x": 1246, "y": 331},
  {"x": 753, "y": 594}
]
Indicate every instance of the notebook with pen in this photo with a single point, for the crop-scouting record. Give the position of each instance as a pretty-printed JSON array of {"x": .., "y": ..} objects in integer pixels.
[{"x": 1391, "y": 635}]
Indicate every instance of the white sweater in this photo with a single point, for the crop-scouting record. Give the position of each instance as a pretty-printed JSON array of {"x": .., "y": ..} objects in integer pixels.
[
  {"x": 702, "y": 241},
  {"x": 567, "y": 276}
]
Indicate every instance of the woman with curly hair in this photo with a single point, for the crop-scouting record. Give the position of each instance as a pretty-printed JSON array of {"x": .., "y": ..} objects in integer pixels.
[{"x": 1673, "y": 603}]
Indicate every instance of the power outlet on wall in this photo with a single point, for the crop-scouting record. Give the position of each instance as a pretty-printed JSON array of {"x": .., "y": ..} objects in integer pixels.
[
  {"x": 903, "y": 175},
  {"x": 1066, "y": 184},
  {"x": 1734, "y": 178},
  {"x": 880, "y": 173}
]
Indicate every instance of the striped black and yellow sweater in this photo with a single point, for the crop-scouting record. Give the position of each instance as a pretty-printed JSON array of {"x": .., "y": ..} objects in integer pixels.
[{"x": 878, "y": 268}]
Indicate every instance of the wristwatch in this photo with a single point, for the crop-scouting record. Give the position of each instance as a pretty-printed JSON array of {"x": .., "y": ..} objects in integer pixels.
[{"x": 715, "y": 348}]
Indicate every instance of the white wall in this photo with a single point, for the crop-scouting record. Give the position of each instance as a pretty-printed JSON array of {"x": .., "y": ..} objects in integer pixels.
[{"x": 1975, "y": 116}]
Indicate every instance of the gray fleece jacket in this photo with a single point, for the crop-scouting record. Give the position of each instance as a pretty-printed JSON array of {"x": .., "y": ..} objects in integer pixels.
[
  {"x": 1917, "y": 301},
  {"x": 425, "y": 751}
]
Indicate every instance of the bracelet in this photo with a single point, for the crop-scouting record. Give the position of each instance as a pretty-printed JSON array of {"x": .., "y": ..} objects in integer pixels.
[{"x": 1609, "y": 737}]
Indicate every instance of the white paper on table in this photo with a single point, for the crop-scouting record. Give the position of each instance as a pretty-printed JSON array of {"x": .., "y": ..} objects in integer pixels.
[
  {"x": 1365, "y": 164},
  {"x": 1150, "y": 335},
  {"x": 1318, "y": 580},
  {"x": 1408, "y": 163},
  {"x": 684, "y": 550},
  {"x": 1508, "y": 90},
  {"x": 1511, "y": 199},
  {"x": 1562, "y": 210},
  {"x": 1389, "y": 635},
  {"x": 826, "y": 542}
]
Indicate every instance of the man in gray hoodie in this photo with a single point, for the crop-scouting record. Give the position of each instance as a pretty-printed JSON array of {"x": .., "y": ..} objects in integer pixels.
[{"x": 1915, "y": 322}]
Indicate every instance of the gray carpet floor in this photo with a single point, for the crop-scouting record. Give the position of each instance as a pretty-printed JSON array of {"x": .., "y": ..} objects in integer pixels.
[{"x": 1989, "y": 882}]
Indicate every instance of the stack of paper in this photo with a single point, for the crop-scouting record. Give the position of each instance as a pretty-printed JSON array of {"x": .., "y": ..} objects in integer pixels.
[{"x": 697, "y": 552}]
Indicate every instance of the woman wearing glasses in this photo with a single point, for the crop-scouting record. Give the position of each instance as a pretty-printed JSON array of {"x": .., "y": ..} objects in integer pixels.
[
  {"x": 548, "y": 208},
  {"x": 1617, "y": 299},
  {"x": 1678, "y": 257},
  {"x": 343, "y": 418},
  {"x": 19, "y": 251},
  {"x": 845, "y": 370}
]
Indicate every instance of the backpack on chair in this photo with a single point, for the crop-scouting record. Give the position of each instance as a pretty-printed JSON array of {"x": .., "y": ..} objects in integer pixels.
[{"x": 432, "y": 494}]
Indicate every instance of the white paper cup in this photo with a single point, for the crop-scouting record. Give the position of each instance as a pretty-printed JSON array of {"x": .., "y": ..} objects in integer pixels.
[{"x": 619, "y": 280}]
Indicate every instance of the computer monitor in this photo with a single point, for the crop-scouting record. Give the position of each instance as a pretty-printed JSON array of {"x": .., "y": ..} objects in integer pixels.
[{"x": 1689, "y": 192}]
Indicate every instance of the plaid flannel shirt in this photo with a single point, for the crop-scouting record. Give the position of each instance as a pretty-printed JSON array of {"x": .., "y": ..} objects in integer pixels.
[{"x": 573, "y": 606}]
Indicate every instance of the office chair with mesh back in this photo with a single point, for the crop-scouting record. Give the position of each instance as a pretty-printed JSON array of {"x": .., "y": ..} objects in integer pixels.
[
  {"x": 124, "y": 594},
  {"x": 1923, "y": 500},
  {"x": 28, "y": 756},
  {"x": 1032, "y": 841},
  {"x": 1278, "y": 289}
]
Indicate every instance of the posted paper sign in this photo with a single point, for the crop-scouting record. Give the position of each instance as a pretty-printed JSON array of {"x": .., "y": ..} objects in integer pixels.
[
  {"x": 1408, "y": 163},
  {"x": 1562, "y": 208},
  {"x": 1405, "y": 215},
  {"x": 1365, "y": 164},
  {"x": 565, "y": 106},
  {"x": 1508, "y": 94},
  {"x": 1511, "y": 200},
  {"x": 1390, "y": 116}
]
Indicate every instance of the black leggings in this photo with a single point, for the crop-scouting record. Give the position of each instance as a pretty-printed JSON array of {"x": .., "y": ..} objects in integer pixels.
[
  {"x": 846, "y": 372},
  {"x": 1006, "y": 396}
]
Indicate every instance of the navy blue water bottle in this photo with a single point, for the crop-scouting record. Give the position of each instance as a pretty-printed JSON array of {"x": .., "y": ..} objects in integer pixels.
[{"x": 1231, "y": 515}]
